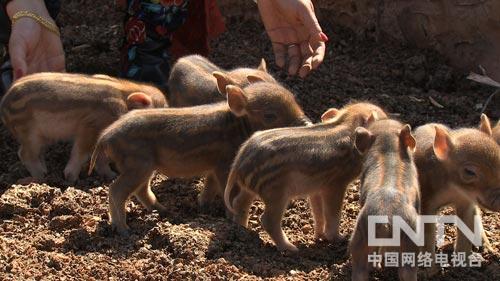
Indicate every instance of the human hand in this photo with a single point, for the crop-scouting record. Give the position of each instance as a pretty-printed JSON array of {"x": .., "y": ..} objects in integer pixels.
[
  {"x": 32, "y": 47},
  {"x": 295, "y": 33}
]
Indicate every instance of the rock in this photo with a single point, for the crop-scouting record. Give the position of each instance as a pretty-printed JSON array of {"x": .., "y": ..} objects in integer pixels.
[
  {"x": 415, "y": 69},
  {"x": 19, "y": 200},
  {"x": 63, "y": 222},
  {"x": 307, "y": 229},
  {"x": 441, "y": 79}
]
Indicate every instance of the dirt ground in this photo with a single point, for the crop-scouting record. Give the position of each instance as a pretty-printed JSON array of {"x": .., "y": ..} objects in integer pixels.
[{"x": 55, "y": 232}]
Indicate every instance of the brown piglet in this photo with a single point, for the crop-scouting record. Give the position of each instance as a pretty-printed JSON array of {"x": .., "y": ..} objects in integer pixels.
[
  {"x": 188, "y": 142},
  {"x": 43, "y": 108},
  {"x": 316, "y": 161},
  {"x": 457, "y": 167},
  {"x": 194, "y": 80},
  {"x": 389, "y": 187}
]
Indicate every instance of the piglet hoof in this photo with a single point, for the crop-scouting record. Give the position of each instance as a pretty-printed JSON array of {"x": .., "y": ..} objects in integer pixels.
[
  {"x": 123, "y": 231},
  {"x": 204, "y": 202},
  {"x": 203, "y": 208},
  {"x": 28, "y": 180},
  {"x": 288, "y": 248},
  {"x": 319, "y": 236},
  {"x": 110, "y": 176},
  {"x": 70, "y": 177},
  {"x": 163, "y": 212},
  {"x": 105, "y": 172},
  {"x": 229, "y": 215},
  {"x": 335, "y": 237}
]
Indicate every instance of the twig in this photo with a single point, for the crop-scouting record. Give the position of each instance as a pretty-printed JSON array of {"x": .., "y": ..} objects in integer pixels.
[
  {"x": 483, "y": 71},
  {"x": 488, "y": 100},
  {"x": 483, "y": 79},
  {"x": 435, "y": 103}
]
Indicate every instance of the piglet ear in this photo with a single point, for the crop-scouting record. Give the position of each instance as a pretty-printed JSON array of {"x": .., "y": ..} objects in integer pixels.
[
  {"x": 262, "y": 66},
  {"x": 372, "y": 118},
  {"x": 236, "y": 100},
  {"x": 139, "y": 100},
  {"x": 329, "y": 114},
  {"x": 363, "y": 139},
  {"x": 442, "y": 143},
  {"x": 104, "y": 77},
  {"x": 485, "y": 125},
  {"x": 254, "y": 78},
  {"x": 223, "y": 80},
  {"x": 406, "y": 138}
]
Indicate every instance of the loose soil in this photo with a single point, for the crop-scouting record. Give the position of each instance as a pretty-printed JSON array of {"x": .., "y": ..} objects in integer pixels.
[{"x": 58, "y": 232}]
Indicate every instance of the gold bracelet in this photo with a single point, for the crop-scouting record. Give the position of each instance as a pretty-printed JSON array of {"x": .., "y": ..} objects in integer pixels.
[{"x": 41, "y": 20}]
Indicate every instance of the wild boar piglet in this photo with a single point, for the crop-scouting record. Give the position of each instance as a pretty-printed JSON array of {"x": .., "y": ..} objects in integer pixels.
[
  {"x": 43, "y": 108},
  {"x": 188, "y": 142},
  {"x": 316, "y": 161},
  {"x": 194, "y": 80},
  {"x": 389, "y": 187},
  {"x": 458, "y": 167}
]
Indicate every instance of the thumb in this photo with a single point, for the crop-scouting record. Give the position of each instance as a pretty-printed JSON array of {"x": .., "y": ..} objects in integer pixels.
[{"x": 17, "y": 52}]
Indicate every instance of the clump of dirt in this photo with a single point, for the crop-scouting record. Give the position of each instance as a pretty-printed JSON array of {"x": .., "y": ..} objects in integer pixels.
[{"x": 52, "y": 231}]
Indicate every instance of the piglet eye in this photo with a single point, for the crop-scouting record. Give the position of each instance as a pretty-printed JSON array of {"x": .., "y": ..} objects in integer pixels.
[
  {"x": 469, "y": 174},
  {"x": 269, "y": 117}
]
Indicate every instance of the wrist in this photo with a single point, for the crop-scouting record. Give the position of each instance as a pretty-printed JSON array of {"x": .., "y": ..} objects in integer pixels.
[{"x": 34, "y": 6}]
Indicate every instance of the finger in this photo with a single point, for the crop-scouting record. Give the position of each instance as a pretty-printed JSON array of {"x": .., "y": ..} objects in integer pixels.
[
  {"x": 294, "y": 59},
  {"x": 307, "y": 52},
  {"x": 279, "y": 54},
  {"x": 305, "y": 68},
  {"x": 308, "y": 18},
  {"x": 318, "y": 56},
  {"x": 318, "y": 48},
  {"x": 17, "y": 52}
]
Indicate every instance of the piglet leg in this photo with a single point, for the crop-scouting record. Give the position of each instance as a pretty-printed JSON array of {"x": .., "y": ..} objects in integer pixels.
[
  {"x": 125, "y": 185},
  {"x": 80, "y": 153},
  {"x": 466, "y": 212},
  {"x": 30, "y": 154},
  {"x": 241, "y": 204},
  {"x": 408, "y": 272},
  {"x": 359, "y": 252},
  {"x": 148, "y": 199},
  {"x": 332, "y": 206},
  {"x": 430, "y": 247},
  {"x": 209, "y": 192},
  {"x": 271, "y": 220},
  {"x": 102, "y": 167},
  {"x": 316, "y": 205}
]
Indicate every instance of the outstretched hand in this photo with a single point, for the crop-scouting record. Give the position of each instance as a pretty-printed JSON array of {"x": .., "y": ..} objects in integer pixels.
[
  {"x": 295, "y": 34},
  {"x": 32, "y": 47}
]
